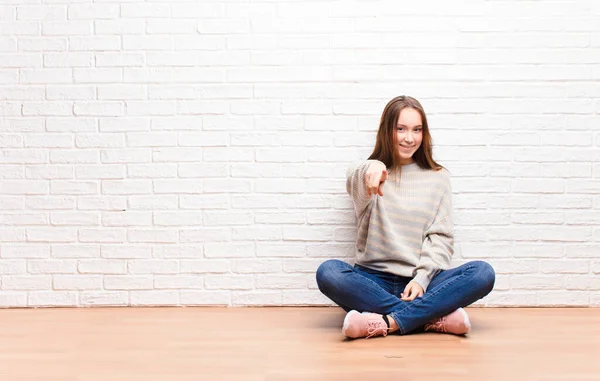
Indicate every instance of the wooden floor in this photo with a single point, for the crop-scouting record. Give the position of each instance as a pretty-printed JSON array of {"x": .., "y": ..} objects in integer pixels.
[{"x": 114, "y": 344}]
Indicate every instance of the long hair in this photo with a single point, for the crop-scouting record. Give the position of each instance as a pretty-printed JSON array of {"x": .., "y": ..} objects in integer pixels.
[{"x": 386, "y": 145}]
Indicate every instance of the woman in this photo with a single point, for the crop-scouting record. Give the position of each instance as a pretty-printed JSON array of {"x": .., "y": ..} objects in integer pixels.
[{"x": 402, "y": 281}]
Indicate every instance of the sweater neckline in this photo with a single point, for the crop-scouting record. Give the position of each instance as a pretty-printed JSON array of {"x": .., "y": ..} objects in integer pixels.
[{"x": 409, "y": 167}]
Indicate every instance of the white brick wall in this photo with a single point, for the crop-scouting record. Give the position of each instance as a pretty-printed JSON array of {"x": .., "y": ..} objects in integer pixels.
[{"x": 194, "y": 153}]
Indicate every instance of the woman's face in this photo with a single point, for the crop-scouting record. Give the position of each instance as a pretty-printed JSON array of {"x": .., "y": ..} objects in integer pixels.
[{"x": 409, "y": 130}]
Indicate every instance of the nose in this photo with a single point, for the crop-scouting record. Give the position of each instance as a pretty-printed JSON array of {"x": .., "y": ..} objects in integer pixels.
[{"x": 409, "y": 137}]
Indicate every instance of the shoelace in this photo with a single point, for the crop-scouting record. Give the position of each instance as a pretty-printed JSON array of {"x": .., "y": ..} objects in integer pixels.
[
  {"x": 437, "y": 325},
  {"x": 376, "y": 327}
]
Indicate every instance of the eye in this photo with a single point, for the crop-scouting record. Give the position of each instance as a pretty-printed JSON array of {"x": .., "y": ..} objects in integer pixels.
[{"x": 400, "y": 128}]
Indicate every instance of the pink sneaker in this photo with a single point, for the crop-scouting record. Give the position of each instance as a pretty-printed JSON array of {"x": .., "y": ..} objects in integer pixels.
[
  {"x": 457, "y": 323},
  {"x": 366, "y": 325}
]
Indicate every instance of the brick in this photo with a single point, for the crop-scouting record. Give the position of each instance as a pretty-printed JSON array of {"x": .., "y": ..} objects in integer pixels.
[
  {"x": 570, "y": 266},
  {"x": 75, "y": 218},
  {"x": 228, "y": 250},
  {"x": 257, "y": 233},
  {"x": 52, "y": 299},
  {"x": 205, "y": 235},
  {"x": 152, "y": 236},
  {"x": 255, "y": 202},
  {"x": 25, "y": 251},
  {"x": 178, "y": 282},
  {"x": 185, "y": 219},
  {"x": 27, "y": 282},
  {"x": 257, "y": 298},
  {"x": 17, "y": 156},
  {"x": 280, "y": 250},
  {"x": 207, "y": 201},
  {"x": 125, "y": 252},
  {"x": 177, "y": 123},
  {"x": 279, "y": 282},
  {"x": 229, "y": 282},
  {"x": 330, "y": 250},
  {"x": 23, "y": 219},
  {"x": 13, "y": 299},
  {"x": 104, "y": 298},
  {"x": 137, "y": 155},
  {"x": 120, "y": 59},
  {"x": 128, "y": 282},
  {"x": 75, "y": 251},
  {"x": 253, "y": 266},
  {"x": 11, "y": 203},
  {"x": 72, "y": 124},
  {"x": 178, "y": 251},
  {"x": 73, "y": 92},
  {"x": 511, "y": 299},
  {"x": 205, "y": 266},
  {"x": 17, "y": 266},
  {"x": 124, "y": 124},
  {"x": 105, "y": 109},
  {"x": 141, "y": 108},
  {"x": 152, "y": 202},
  {"x": 228, "y": 154},
  {"x": 46, "y": 76},
  {"x": 204, "y": 139},
  {"x": 49, "y": 172},
  {"x": 41, "y": 12},
  {"x": 563, "y": 298},
  {"x": 102, "y": 235},
  {"x": 232, "y": 185},
  {"x": 164, "y": 26},
  {"x": 205, "y": 298},
  {"x": 127, "y": 218},
  {"x": 102, "y": 266},
  {"x": 64, "y": 187},
  {"x": 126, "y": 187},
  {"x": 307, "y": 233},
  {"x": 537, "y": 282},
  {"x": 52, "y": 234},
  {"x": 153, "y": 267},
  {"x": 111, "y": 203},
  {"x": 77, "y": 282},
  {"x": 121, "y": 92},
  {"x": 70, "y": 28},
  {"x": 119, "y": 27},
  {"x": 147, "y": 10},
  {"x": 93, "y": 11},
  {"x": 177, "y": 186},
  {"x": 176, "y": 155},
  {"x": 105, "y": 171},
  {"x": 154, "y": 297}
]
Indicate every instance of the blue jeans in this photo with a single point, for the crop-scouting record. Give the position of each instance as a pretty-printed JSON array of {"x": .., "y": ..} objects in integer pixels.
[{"x": 362, "y": 289}]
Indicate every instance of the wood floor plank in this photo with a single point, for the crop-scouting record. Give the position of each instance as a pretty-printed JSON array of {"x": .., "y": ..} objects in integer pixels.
[{"x": 290, "y": 344}]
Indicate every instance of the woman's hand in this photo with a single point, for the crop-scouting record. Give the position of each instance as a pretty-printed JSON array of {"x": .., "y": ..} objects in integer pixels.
[
  {"x": 412, "y": 291},
  {"x": 374, "y": 178}
]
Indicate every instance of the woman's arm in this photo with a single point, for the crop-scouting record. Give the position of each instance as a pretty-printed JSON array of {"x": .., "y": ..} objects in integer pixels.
[
  {"x": 356, "y": 184},
  {"x": 438, "y": 243}
]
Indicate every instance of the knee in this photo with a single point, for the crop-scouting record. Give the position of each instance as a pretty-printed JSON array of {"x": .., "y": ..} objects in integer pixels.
[
  {"x": 328, "y": 273},
  {"x": 485, "y": 276}
]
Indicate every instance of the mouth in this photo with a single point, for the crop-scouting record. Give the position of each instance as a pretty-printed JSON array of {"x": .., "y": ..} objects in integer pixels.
[{"x": 407, "y": 148}]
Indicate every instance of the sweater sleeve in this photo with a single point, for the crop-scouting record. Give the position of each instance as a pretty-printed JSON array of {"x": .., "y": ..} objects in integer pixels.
[
  {"x": 356, "y": 186},
  {"x": 438, "y": 243}
]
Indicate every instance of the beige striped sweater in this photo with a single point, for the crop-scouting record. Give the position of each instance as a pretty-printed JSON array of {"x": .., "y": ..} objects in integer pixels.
[{"x": 409, "y": 230}]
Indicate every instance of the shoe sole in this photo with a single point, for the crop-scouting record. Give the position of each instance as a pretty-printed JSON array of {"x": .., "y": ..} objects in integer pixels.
[
  {"x": 347, "y": 321},
  {"x": 467, "y": 321}
]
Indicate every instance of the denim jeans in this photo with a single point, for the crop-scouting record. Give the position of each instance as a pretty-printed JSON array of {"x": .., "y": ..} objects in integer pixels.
[{"x": 362, "y": 289}]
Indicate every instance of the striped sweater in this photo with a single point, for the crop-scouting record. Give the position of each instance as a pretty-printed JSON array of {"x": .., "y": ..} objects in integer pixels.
[{"x": 409, "y": 230}]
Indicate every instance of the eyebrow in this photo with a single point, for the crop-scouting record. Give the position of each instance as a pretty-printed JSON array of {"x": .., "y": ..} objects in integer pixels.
[{"x": 402, "y": 125}]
